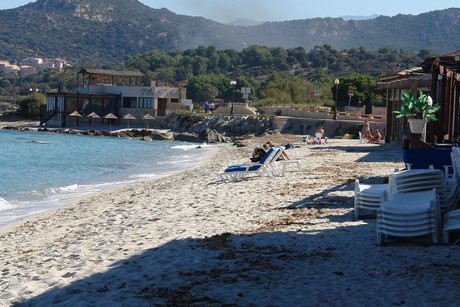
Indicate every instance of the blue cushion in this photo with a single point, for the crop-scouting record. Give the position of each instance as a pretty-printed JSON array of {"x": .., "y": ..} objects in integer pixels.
[
  {"x": 241, "y": 168},
  {"x": 267, "y": 154}
]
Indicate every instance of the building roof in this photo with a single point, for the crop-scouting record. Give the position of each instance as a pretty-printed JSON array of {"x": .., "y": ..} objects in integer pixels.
[
  {"x": 403, "y": 74},
  {"x": 115, "y": 73},
  {"x": 450, "y": 60},
  {"x": 405, "y": 79}
]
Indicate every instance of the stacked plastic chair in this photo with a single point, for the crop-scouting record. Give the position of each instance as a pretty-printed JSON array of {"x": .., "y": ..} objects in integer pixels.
[
  {"x": 419, "y": 180},
  {"x": 368, "y": 197},
  {"x": 452, "y": 218},
  {"x": 409, "y": 215}
]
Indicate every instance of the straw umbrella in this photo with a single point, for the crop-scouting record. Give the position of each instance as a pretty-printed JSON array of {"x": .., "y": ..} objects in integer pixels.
[
  {"x": 91, "y": 116},
  {"x": 76, "y": 115},
  {"x": 148, "y": 117},
  {"x": 110, "y": 116},
  {"x": 128, "y": 117}
]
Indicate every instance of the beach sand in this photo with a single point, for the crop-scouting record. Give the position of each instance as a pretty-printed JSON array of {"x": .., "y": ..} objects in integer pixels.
[{"x": 189, "y": 239}]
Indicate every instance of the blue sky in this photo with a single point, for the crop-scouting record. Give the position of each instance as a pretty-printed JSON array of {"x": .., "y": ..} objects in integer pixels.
[{"x": 280, "y": 10}]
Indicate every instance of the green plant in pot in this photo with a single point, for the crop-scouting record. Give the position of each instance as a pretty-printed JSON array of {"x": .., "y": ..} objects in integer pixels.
[{"x": 421, "y": 107}]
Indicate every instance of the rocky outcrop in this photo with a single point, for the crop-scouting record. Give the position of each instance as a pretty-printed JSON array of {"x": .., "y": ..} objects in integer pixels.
[
  {"x": 189, "y": 128},
  {"x": 211, "y": 127}
]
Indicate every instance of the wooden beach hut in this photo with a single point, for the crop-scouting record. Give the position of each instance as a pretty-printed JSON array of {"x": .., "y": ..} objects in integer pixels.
[{"x": 437, "y": 77}]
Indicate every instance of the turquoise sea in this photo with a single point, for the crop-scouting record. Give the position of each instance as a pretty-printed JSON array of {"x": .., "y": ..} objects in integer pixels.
[{"x": 39, "y": 170}]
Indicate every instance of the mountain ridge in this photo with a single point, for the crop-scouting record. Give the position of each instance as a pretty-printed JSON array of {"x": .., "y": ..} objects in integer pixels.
[{"x": 105, "y": 32}]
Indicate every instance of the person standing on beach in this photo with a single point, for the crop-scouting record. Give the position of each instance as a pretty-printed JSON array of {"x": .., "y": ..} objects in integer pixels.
[
  {"x": 206, "y": 107},
  {"x": 366, "y": 132}
]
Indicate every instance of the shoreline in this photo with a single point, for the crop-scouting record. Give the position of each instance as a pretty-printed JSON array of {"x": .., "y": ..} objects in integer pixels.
[
  {"x": 70, "y": 201},
  {"x": 87, "y": 189},
  {"x": 190, "y": 239}
]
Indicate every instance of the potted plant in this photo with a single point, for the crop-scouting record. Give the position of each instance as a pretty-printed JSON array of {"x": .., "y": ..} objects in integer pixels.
[{"x": 417, "y": 110}]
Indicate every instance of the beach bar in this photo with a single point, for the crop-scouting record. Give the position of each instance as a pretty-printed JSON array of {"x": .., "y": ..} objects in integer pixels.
[
  {"x": 438, "y": 77},
  {"x": 102, "y": 92}
]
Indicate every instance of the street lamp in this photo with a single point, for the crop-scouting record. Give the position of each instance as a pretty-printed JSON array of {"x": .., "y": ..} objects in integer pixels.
[
  {"x": 336, "y": 82},
  {"x": 232, "y": 83}
]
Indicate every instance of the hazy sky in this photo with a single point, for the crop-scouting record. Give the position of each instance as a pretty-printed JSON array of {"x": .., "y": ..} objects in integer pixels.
[{"x": 279, "y": 10}]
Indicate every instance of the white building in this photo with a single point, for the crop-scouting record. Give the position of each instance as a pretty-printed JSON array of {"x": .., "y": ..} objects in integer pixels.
[{"x": 118, "y": 92}]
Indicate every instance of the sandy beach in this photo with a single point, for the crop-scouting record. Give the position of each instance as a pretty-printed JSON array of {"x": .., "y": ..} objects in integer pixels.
[{"x": 189, "y": 239}]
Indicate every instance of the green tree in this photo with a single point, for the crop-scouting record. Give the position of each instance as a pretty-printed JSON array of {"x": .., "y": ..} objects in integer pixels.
[
  {"x": 204, "y": 87},
  {"x": 279, "y": 56},
  {"x": 30, "y": 105},
  {"x": 285, "y": 89},
  {"x": 257, "y": 56},
  {"x": 362, "y": 86}
]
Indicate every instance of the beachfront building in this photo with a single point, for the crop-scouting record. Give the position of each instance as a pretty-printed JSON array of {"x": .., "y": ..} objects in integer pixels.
[
  {"x": 410, "y": 80},
  {"x": 445, "y": 90},
  {"x": 437, "y": 77},
  {"x": 100, "y": 93}
]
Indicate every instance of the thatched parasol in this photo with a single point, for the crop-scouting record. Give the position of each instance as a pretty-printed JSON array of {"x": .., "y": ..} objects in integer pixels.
[
  {"x": 76, "y": 115},
  {"x": 148, "y": 117},
  {"x": 110, "y": 116},
  {"x": 91, "y": 116},
  {"x": 128, "y": 117}
]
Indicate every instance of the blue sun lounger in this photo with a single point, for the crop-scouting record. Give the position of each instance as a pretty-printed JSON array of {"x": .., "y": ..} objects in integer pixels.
[{"x": 238, "y": 172}]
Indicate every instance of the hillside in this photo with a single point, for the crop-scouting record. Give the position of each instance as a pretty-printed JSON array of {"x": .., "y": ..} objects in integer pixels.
[{"x": 105, "y": 32}]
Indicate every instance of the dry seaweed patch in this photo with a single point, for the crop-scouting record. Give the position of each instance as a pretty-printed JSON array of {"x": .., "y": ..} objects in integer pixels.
[
  {"x": 307, "y": 185},
  {"x": 216, "y": 242},
  {"x": 175, "y": 296},
  {"x": 322, "y": 153},
  {"x": 297, "y": 217},
  {"x": 283, "y": 223},
  {"x": 240, "y": 261}
]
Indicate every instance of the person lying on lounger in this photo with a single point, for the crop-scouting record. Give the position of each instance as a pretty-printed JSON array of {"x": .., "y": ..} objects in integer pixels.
[
  {"x": 283, "y": 156},
  {"x": 259, "y": 152}
]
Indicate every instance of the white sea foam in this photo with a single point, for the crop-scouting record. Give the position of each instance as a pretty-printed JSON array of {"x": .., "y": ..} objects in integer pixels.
[
  {"x": 66, "y": 189},
  {"x": 74, "y": 190},
  {"x": 5, "y": 205},
  {"x": 188, "y": 147},
  {"x": 172, "y": 162}
]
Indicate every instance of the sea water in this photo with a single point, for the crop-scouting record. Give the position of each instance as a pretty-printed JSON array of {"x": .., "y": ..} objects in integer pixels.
[{"x": 39, "y": 170}]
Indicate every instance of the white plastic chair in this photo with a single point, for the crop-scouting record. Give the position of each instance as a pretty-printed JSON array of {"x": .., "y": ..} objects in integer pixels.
[
  {"x": 409, "y": 215},
  {"x": 452, "y": 218},
  {"x": 285, "y": 163},
  {"x": 451, "y": 224},
  {"x": 319, "y": 138},
  {"x": 368, "y": 197},
  {"x": 418, "y": 180},
  {"x": 304, "y": 142},
  {"x": 361, "y": 140}
]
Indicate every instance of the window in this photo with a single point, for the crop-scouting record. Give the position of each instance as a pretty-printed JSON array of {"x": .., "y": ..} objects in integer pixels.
[
  {"x": 129, "y": 102},
  {"x": 174, "y": 100},
  {"x": 146, "y": 103}
]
